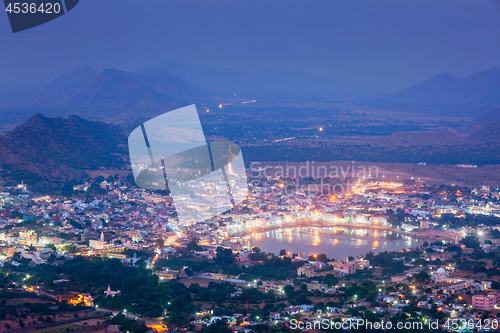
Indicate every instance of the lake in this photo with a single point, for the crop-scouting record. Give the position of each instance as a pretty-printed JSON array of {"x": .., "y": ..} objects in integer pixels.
[{"x": 336, "y": 243}]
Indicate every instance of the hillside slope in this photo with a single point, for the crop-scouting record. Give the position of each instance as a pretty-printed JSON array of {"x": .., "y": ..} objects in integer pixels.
[
  {"x": 484, "y": 129},
  {"x": 52, "y": 150},
  {"x": 448, "y": 95}
]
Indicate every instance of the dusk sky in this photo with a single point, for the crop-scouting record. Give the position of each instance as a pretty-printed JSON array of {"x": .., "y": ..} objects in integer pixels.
[{"x": 387, "y": 44}]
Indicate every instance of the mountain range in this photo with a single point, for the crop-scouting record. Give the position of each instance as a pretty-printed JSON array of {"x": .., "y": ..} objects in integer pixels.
[
  {"x": 111, "y": 96},
  {"x": 127, "y": 98},
  {"x": 447, "y": 95}
]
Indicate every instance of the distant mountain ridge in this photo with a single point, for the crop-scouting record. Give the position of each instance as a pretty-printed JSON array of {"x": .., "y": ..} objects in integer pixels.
[
  {"x": 445, "y": 94},
  {"x": 126, "y": 98},
  {"x": 112, "y": 96}
]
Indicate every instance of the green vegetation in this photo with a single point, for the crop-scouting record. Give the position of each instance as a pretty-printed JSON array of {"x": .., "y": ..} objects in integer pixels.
[
  {"x": 469, "y": 220},
  {"x": 130, "y": 325}
]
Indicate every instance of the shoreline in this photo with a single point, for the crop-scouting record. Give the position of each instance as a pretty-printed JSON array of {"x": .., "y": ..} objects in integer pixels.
[{"x": 429, "y": 234}]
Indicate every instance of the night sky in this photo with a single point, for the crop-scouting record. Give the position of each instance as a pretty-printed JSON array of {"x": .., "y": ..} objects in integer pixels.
[{"x": 387, "y": 45}]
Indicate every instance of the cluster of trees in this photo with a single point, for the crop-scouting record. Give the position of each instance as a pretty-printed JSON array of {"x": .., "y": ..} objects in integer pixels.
[
  {"x": 469, "y": 220},
  {"x": 267, "y": 266},
  {"x": 456, "y": 154},
  {"x": 141, "y": 292},
  {"x": 273, "y": 268},
  {"x": 129, "y": 324},
  {"x": 235, "y": 127},
  {"x": 41, "y": 310},
  {"x": 387, "y": 262},
  {"x": 471, "y": 241},
  {"x": 396, "y": 218}
]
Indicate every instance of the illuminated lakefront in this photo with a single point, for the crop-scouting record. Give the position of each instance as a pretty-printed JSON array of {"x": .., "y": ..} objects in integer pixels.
[{"x": 336, "y": 243}]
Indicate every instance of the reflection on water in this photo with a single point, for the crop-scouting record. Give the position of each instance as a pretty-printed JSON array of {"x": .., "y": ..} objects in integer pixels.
[{"x": 337, "y": 243}]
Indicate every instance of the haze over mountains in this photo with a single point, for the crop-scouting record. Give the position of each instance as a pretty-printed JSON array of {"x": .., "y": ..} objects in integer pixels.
[
  {"x": 125, "y": 98},
  {"x": 448, "y": 95},
  {"x": 46, "y": 150},
  {"x": 112, "y": 96},
  {"x": 442, "y": 94},
  {"x": 270, "y": 84}
]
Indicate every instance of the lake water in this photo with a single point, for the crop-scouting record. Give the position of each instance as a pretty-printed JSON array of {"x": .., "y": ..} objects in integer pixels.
[{"x": 336, "y": 243}]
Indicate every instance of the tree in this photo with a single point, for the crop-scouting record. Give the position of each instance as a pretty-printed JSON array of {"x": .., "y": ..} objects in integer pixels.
[
  {"x": 32, "y": 281},
  {"x": 257, "y": 255},
  {"x": 320, "y": 306},
  {"x": 220, "y": 326},
  {"x": 194, "y": 288},
  {"x": 421, "y": 277},
  {"x": 69, "y": 248},
  {"x": 319, "y": 257},
  {"x": 48, "y": 283},
  {"x": 331, "y": 280},
  {"x": 289, "y": 290},
  {"x": 159, "y": 242},
  {"x": 471, "y": 241},
  {"x": 224, "y": 257},
  {"x": 50, "y": 246},
  {"x": 193, "y": 245},
  {"x": 129, "y": 325},
  {"x": 454, "y": 248}
]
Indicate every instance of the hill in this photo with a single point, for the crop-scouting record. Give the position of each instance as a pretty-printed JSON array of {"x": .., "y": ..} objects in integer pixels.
[
  {"x": 447, "y": 95},
  {"x": 45, "y": 150},
  {"x": 484, "y": 129},
  {"x": 112, "y": 96}
]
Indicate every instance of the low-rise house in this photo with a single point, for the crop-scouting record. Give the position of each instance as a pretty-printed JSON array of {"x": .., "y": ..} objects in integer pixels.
[{"x": 167, "y": 274}]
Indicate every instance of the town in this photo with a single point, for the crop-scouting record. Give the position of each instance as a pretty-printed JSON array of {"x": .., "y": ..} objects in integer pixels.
[{"x": 109, "y": 256}]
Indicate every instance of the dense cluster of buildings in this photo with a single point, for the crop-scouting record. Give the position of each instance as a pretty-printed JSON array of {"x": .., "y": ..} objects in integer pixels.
[{"x": 122, "y": 221}]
